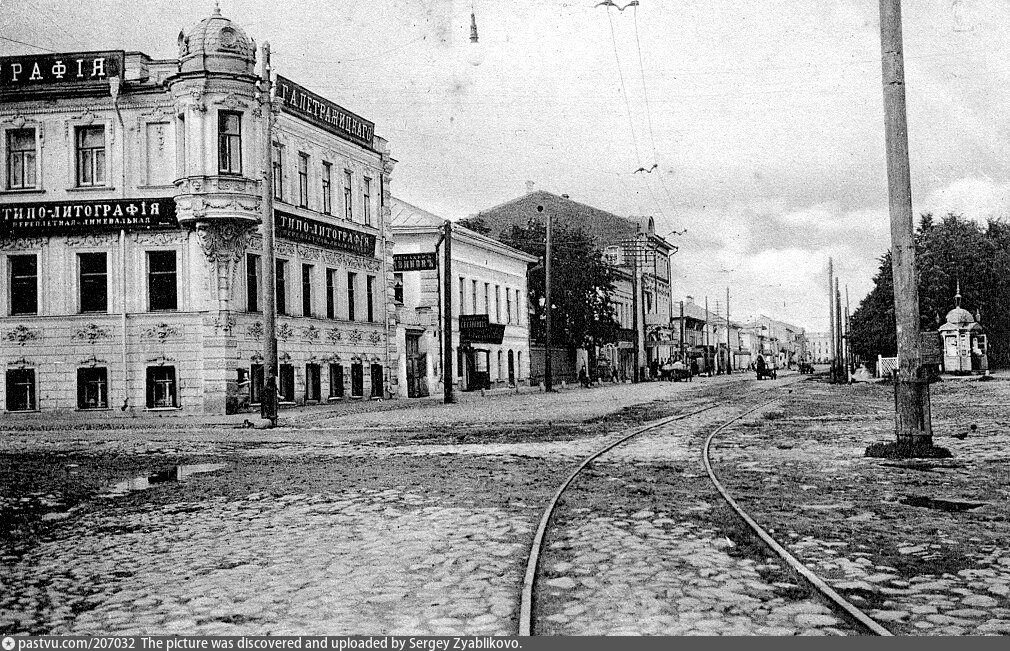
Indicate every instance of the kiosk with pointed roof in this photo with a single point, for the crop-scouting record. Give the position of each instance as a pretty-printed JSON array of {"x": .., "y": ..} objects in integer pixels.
[{"x": 964, "y": 341}]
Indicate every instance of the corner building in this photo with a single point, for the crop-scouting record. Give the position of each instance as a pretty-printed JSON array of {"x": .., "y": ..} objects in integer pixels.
[{"x": 130, "y": 244}]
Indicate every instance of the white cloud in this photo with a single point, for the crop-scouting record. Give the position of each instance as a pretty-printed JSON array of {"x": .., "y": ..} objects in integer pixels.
[{"x": 976, "y": 198}]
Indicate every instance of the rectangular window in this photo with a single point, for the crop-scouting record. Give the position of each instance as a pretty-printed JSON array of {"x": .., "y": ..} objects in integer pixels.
[
  {"x": 161, "y": 387},
  {"x": 327, "y": 188},
  {"x": 370, "y": 298},
  {"x": 473, "y": 297},
  {"x": 307, "y": 270},
  {"x": 21, "y": 389},
  {"x": 367, "y": 202},
  {"x": 398, "y": 288},
  {"x": 92, "y": 388},
  {"x": 303, "y": 179},
  {"x": 286, "y": 389},
  {"x": 229, "y": 142},
  {"x": 348, "y": 211},
  {"x": 497, "y": 304},
  {"x": 336, "y": 381},
  {"x": 487, "y": 299},
  {"x": 278, "y": 172},
  {"x": 281, "y": 295},
  {"x": 331, "y": 293},
  {"x": 357, "y": 380},
  {"x": 93, "y": 282},
  {"x": 90, "y": 156},
  {"x": 24, "y": 284},
  {"x": 462, "y": 284},
  {"x": 162, "y": 285},
  {"x": 352, "y": 279},
  {"x": 312, "y": 383},
  {"x": 252, "y": 283},
  {"x": 508, "y": 305},
  {"x": 21, "y": 159}
]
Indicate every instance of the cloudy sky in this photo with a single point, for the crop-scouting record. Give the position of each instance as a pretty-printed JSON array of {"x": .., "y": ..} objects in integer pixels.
[{"x": 764, "y": 119}]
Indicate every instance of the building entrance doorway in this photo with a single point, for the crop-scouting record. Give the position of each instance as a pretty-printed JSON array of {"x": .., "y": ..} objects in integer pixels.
[{"x": 417, "y": 367}]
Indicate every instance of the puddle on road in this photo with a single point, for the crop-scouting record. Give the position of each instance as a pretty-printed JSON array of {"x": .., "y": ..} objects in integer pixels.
[
  {"x": 177, "y": 473},
  {"x": 940, "y": 505}
]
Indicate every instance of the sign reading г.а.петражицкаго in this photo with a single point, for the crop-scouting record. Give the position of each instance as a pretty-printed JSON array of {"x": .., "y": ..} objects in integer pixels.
[{"x": 323, "y": 113}]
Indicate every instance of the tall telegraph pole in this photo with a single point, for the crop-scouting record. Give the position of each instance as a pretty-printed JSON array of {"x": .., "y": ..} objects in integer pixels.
[
  {"x": 547, "y": 291},
  {"x": 447, "y": 360},
  {"x": 911, "y": 393},
  {"x": 831, "y": 317},
  {"x": 268, "y": 401},
  {"x": 729, "y": 349}
]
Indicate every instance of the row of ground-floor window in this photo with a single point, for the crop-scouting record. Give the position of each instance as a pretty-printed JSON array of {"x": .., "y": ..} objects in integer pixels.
[
  {"x": 313, "y": 384},
  {"x": 162, "y": 385}
]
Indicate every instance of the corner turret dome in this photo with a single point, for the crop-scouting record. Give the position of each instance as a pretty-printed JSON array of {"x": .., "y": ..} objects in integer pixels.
[{"x": 216, "y": 44}]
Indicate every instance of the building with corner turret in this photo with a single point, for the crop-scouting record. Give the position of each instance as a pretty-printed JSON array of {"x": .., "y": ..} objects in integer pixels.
[{"x": 130, "y": 245}]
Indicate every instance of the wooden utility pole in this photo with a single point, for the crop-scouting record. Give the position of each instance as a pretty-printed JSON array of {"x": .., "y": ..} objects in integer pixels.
[
  {"x": 683, "y": 353},
  {"x": 708, "y": 368},
  {"x": 842, "y": 372},
  {"x": 911, "y": 393},
  {"x": 447, "y": 360},
  {"x": 831, "y": 318},
  {"x": 268, "y": 401},
  {"x": 547, "y": 290},
  {"x": 729, "y": 349}
]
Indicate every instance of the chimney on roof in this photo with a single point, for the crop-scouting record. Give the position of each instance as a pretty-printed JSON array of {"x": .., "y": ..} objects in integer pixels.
[
  {"x": 565, "y": 196},
  {"x": 690, "y": 299},
  {"x": 531, "y": 186}
]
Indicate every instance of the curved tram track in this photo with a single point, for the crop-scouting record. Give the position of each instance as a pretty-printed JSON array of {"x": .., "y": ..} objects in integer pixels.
[{"x": 858, "y": 620}]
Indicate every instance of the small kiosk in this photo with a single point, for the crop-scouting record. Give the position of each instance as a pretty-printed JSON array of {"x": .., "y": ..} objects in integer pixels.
[{"x": 964, "y": 343}]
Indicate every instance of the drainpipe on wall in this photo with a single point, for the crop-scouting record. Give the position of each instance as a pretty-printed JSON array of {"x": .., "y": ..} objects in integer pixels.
[{"x": 114, "y": 91}]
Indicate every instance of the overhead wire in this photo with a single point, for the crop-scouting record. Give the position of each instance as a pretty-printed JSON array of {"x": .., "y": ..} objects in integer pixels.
[
  {"x": 627, "y": 106},
  {"x": 648, "y": 110}
]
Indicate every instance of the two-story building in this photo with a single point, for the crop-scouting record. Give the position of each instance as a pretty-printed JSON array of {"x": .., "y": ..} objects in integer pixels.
[
  {"x": 130, "y": 245},
  {"x": 488, "y": 279}
]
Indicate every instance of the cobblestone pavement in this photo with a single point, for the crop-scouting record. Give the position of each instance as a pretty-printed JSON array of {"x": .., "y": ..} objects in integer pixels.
[
  {"x": 325, "y": 530},
  {"x": 920, "y": 545},
  {"x": 617, "y": 568}
]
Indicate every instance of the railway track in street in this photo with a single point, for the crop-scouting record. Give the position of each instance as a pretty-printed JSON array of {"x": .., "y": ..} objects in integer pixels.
[{"x": 666, "y": 563}]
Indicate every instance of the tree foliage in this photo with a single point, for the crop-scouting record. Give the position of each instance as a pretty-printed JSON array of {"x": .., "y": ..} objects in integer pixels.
[
  {"x": 581, "y": 286},
  {"x": 949, "y": 251}
]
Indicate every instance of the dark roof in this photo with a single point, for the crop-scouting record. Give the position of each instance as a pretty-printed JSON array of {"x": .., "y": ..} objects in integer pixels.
[{"x": 606, "y": 228}]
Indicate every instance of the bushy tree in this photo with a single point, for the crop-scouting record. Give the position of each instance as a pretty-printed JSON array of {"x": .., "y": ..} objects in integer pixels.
[
  {"x": 581, "y": 286},
  {"x": 949, "y": 252}
]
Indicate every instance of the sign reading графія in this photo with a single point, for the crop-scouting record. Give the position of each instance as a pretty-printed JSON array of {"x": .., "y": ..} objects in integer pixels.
[{"x": 36, "y": 70}]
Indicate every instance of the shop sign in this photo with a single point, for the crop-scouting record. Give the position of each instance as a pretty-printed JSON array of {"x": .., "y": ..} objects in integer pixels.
[
  {"x": 77, "y": 217},
  {"x": 626, "y": 334},
  {"x": 36, "y": 70},
  {"x": 477, "y": 329},
  {"x": 324, "y": 113},
  {"x": 310, "y": 231},
  {"x": 415, "y": 261}
]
